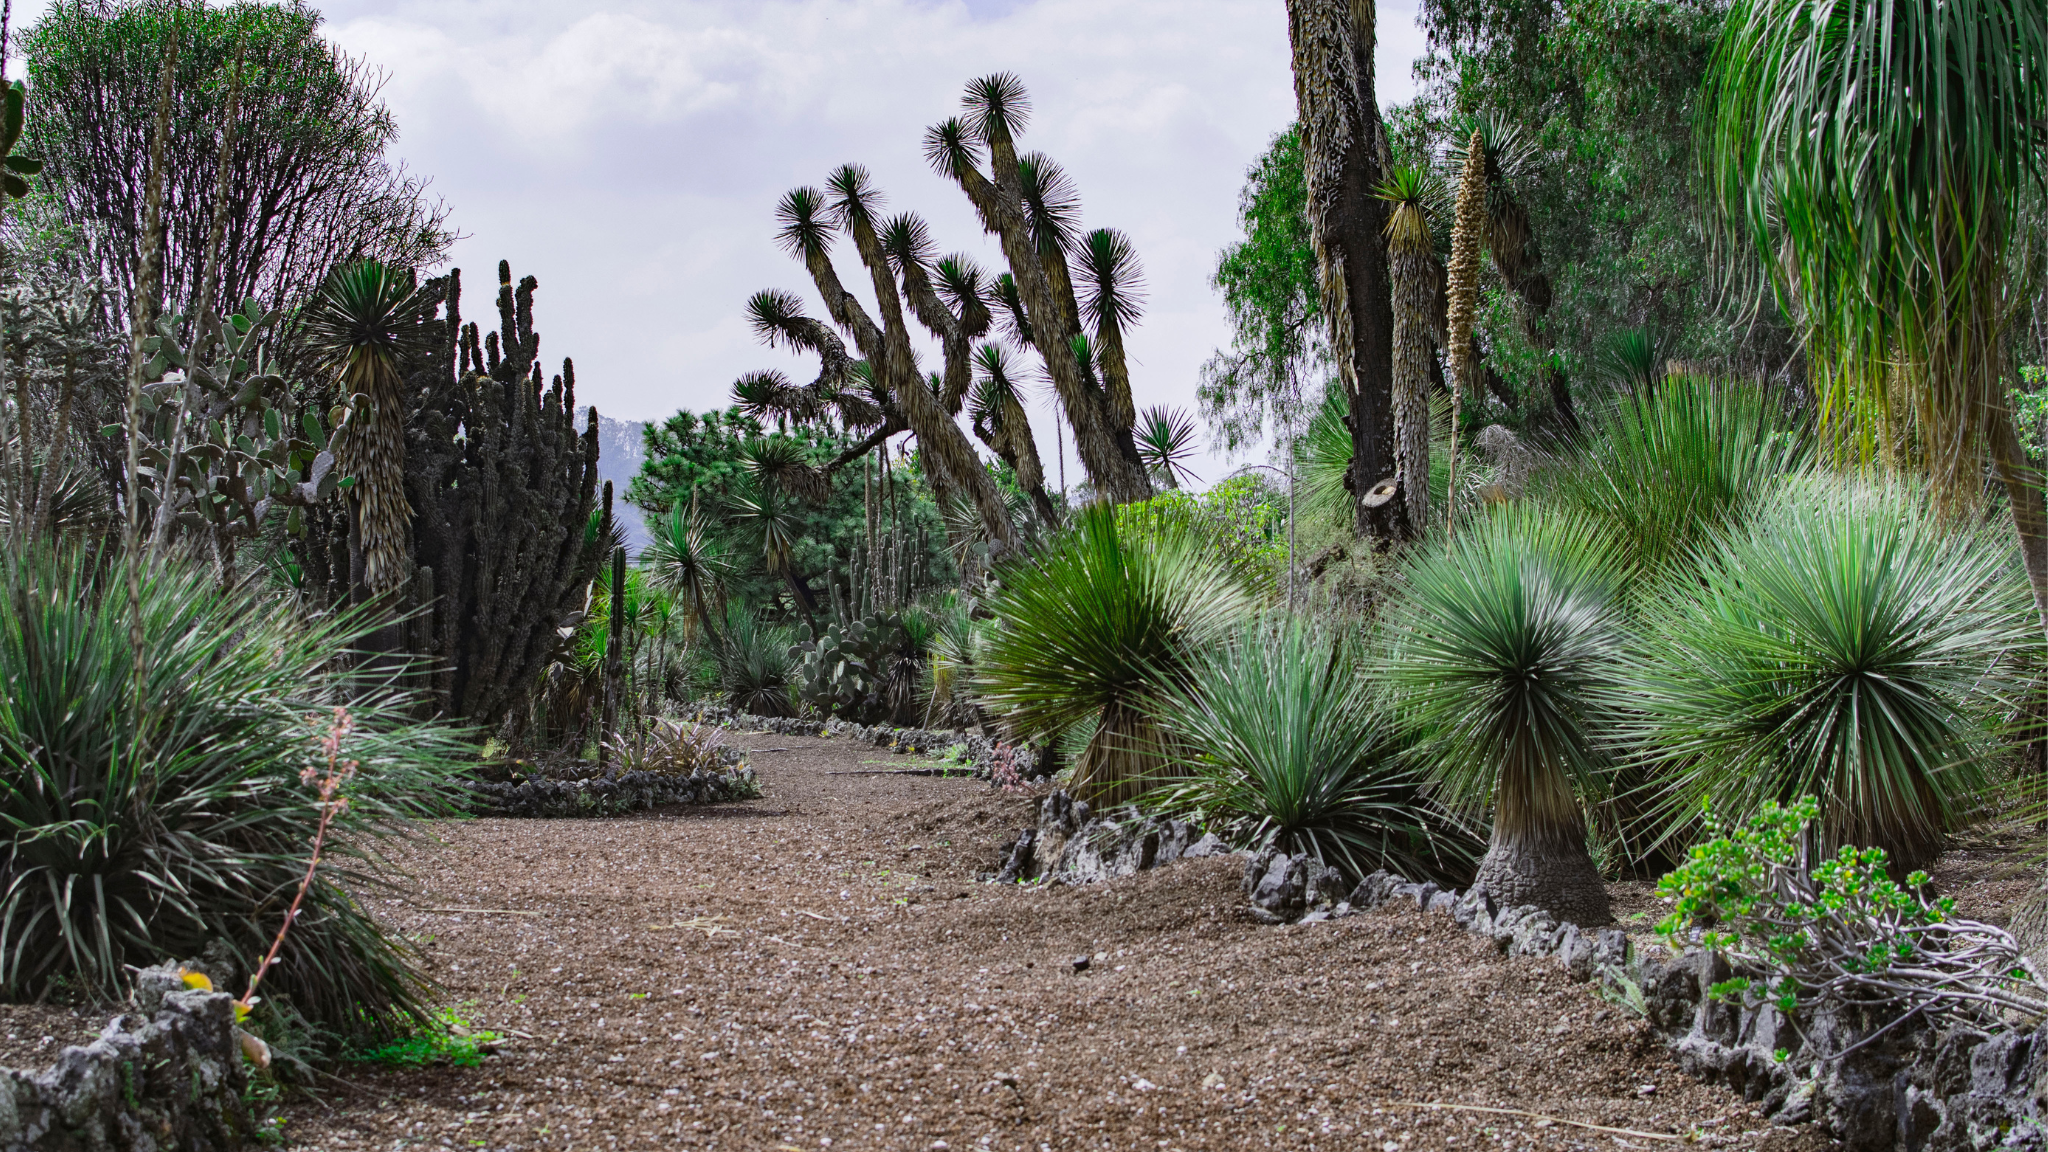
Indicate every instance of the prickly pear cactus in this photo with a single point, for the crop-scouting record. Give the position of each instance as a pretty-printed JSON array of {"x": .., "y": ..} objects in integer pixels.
[{"x": 857, "y": 669}]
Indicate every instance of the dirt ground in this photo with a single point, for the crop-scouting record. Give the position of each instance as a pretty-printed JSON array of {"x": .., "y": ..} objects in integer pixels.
[{"x": 818, "y": 969}]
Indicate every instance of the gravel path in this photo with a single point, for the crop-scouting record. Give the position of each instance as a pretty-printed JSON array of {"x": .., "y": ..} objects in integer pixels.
[{"x": 818, "y": 969}]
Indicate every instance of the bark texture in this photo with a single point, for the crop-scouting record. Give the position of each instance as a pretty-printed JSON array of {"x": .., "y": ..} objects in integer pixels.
[
  {"x": 1462, "y": 291},
  {"x": 1417, "y": 280},
  {"x": 1553, "y": 872},
  {"x": 1344, "y": 151}
]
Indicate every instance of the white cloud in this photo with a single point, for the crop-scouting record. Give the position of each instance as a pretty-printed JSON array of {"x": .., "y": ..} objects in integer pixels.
[{"x": 629, "y": 153}]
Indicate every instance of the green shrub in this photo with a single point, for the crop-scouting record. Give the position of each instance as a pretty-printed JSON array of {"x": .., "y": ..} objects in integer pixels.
[
  {"x": 1095, "y": 625},
  {"x": 754, "y": 672},
  {"x": 1843, "y": 645},
  {"x": 140, "y": 833},
  {"x": 1806, "y": 927},
  {"x": 1283, "y": 744}
]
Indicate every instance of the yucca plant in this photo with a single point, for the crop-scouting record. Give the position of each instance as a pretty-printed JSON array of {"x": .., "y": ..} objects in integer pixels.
[
  {"x": 1285, "y": 745},
  {"x": 1666, "y": 469},
  {"x": 753, "y": 664},
  {"x": 691, "y": 562},
  {"x": 1506, "y": 653},
  {"x": 1843, "y": 645},
  {"x": 1166, "y": 442},
  {"x": 1094, "y": 627},
  {"x": 366, "y": 322},
  {"x": 133, "y": 834}
]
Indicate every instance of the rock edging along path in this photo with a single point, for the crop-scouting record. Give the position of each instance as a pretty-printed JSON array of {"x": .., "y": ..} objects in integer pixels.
[
  {"x": 168, "y": 1076},
  {"x": 1861, "y": 1076}
]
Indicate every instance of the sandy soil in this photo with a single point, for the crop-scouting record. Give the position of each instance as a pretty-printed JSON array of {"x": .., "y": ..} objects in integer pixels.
[{"x": 818, "y": 969}]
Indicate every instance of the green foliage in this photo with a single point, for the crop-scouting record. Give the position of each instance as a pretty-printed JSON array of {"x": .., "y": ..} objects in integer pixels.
[
  {"x": 2030, "y": 410},
  {"x": 1837, "y": 927},
  {"x": 1094, "y": 625},
  {"x": 1603, "y": 93},
  {"x": 1892, "y": 233},
  {"x": 1285, "y": 745},
  {"x": 1242, "y": 520},
  {"x": 1270, "y": 284},
  {"x": 1842, "y": 644},
  {"x": 1666, "y": 468},
  {"x": 1507, "y": 651},
  {"x": 448, "y": 1040},
  {"x": 753, "y": 660},
  {"x": 865, "y": 670},
  {"x": 135, "y": 832}
]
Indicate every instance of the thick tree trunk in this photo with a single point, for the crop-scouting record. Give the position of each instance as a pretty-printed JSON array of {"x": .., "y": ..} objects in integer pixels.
[
  {"x": 1552, "y": 871},
  {"x": 1344, "y": 149},
  {"x": 2029, "y": 515}
]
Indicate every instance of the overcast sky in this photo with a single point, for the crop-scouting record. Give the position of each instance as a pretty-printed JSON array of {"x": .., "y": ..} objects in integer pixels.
[{"x": 630, "y": 153}]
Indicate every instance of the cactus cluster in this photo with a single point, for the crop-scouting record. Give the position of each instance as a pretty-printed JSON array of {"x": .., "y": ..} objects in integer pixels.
[{"x": 863, "y": 670}]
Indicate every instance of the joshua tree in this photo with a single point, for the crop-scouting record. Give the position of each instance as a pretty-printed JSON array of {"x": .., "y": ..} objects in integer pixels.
[
  {"x": 1418, "y": 283},
  {"x": 1344, "y": 150},
  {"x": 1031, "y": 206},
  {"x": 364, "y": 321}
]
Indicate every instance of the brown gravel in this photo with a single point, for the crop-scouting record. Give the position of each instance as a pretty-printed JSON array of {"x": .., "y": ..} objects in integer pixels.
[
  {"x": 31, "y": 1035},
  {"x": 818, "y": 969}
]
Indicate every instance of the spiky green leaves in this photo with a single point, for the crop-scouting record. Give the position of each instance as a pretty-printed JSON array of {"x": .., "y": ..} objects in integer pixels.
[
  {"x": 1420, "y": 205},
  {"x": 854, "y": 197},
  {"x": 996, "y": 106},
  {"x": 1288, "y": 746},
  {"x": 804, "y": 230},
  {"x": 1096, "y": 621},
  {"x": 1841, "y": 644},
  {"x": 1112, "y": 280},
  {"x": 949, "y": 147},
  {"x": 1507, "y": 651},
  {"x": 907, "y": 241},
  {"x": 368, "y": 309},
  {"x": 1166, "y": 442},
  {"x": 1052, "y": 202}
]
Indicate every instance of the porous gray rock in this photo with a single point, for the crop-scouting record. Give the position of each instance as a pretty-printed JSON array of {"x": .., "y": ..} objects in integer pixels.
[
  {"x": 168, "y": 1076},
  {"x": 1074, "y": 845}
]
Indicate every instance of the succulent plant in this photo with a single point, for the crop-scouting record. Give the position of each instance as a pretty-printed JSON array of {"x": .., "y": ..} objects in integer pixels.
[{"x": 864, "y": 670}]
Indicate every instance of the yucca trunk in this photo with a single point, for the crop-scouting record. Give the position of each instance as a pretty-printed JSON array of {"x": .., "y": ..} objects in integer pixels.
[
  {"x": 1344, "y": 158},
  {"x": 1462, "y": 292},
  {"x": 373, "y": 451},
  {"x": 1123, "y": 760},
  {"x": 1414, "y": 271},
  {"x": 1538, "y": 853}
]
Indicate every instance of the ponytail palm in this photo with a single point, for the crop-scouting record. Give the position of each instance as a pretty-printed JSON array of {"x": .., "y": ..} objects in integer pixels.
[
  {"x": 366, "y": 320},
  {"x": 1096, "y": 627},
  {"x": 1881, "y": 151},
  {"x": 1508, "y": 656}
]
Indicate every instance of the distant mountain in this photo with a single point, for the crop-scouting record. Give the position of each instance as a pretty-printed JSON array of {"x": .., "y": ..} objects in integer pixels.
[{"x": 621, "y": 447}]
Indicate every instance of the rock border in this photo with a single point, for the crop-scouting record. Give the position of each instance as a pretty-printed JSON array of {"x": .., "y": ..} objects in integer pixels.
[
  {"x": 539, "y": 797},
  {"x": 982, "y": 751},
  {"x": 1864, "y": 1077},
  {"x": 168, "y": 1075}
]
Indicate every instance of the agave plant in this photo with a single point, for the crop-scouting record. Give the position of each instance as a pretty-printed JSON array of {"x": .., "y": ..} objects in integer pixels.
[
  {"x": 1288, "y": 746},
  {"x": 1093, "y": 628},
  {"x": 1665, "y": 470},
  {"x": 132, "y": 834},
  {"x": 1843, "y": 645},
  {"x": 1507, "y": 655}
]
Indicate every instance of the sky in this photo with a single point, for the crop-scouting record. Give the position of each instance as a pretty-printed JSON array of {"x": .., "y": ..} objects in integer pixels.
[{"x": 630, "y": 153}]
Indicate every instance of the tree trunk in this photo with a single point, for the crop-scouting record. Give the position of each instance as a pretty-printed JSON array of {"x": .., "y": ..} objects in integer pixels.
[
  {"x": 1344, "y": 156},
  {"x": 2029, "y": 515},
  {"x": 1551, "y": 870},
  {"x": 1414, "y": 284}
]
